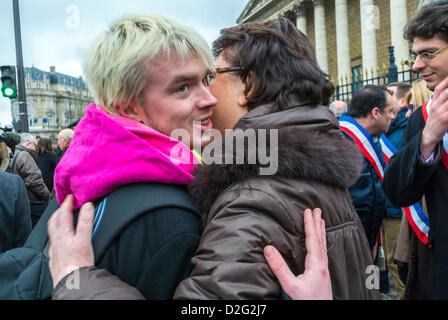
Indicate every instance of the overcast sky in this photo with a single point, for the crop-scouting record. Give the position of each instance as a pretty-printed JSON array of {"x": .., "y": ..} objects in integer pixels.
[{"x": 57, "y": 32}]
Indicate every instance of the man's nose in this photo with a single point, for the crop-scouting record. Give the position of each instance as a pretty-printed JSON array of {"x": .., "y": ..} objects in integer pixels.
[
  {"x": 418, "y": 65},
  {"x": 208, "y": 99}
]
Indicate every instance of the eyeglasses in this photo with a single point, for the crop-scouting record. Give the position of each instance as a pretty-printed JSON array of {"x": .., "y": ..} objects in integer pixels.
[
  {"x": 426, "y": 56},
  {"x": 212, "y": 75},
  {"x": 411, "y": 107}
]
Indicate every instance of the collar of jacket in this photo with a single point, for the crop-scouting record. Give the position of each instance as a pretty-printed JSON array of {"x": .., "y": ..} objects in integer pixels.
[
  {"x": 310, "y": 147},
  {"x": 399, "y": 122},
  {"x": 296, "y": 113},
  {"x": 33, "y": 153}
]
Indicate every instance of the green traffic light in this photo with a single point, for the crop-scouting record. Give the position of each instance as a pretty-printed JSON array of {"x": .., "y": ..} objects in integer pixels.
[{"x": 9, "y": 92}]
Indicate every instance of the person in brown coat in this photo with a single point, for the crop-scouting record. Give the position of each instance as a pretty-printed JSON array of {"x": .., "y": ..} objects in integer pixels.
[
  {"x": 267, "y": 81},
  {"x": 25, "y": 165},
  {"x": 245, "y": 210}
]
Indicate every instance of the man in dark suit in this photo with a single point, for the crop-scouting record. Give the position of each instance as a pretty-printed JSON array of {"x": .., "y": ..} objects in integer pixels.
[{"x": 420, "y": 168}]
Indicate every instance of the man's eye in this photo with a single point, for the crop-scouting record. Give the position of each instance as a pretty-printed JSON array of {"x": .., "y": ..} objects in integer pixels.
[
  {"x": 427, "y": 55},
  {"x": 183, "y": 88}
]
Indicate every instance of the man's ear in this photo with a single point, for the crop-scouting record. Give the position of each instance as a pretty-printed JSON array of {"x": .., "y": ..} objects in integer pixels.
[
  {"x": 402, "y": 103},
  {"x": 130, "y": 110},
  {"x": 376, "y": 113}
]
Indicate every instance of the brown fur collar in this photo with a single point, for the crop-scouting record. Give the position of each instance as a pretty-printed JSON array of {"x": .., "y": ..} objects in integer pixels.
[{"x": 302, "y": 154}]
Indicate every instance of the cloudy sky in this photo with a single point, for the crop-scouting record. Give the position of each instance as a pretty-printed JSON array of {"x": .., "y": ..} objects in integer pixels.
[{"x": 58, "y": 32}]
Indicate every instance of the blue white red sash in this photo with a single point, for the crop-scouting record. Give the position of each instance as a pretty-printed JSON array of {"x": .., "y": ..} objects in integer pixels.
[
  {"x": 426, "y": 108},
  {"x": 417, "y": 219},
  {"x": 363, "y": 139},
  {"x": 365, "y": 143}
]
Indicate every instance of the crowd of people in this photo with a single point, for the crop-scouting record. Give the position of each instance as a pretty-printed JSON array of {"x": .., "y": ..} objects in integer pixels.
[{"x": 354, "y": 186}]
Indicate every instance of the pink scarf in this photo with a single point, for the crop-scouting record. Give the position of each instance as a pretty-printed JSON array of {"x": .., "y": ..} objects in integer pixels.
[{"x": 108, "y": 151}]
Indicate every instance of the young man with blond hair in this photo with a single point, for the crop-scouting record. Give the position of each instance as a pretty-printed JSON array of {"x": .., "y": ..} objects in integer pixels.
[{"x": 147, "y": 74}]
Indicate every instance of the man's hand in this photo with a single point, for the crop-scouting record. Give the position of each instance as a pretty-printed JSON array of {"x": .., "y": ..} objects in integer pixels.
[
  {"x": 70, "y": 249},
  {"x": 437, "y": 123},
  {"x": 314, "y": 283}
]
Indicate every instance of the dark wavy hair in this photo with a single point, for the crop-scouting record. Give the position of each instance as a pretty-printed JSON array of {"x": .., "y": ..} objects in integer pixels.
[
  {"x": 431, "y": 20},
  {"x": 278, "y": 60}
]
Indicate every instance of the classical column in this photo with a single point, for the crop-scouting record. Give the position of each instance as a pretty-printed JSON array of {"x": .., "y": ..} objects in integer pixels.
[
  {"x": 342, "y": 39},
  {"x": 320, "y": 34},
  {"x": 300, "y": 11},
  {"x": 398, "y": 20},
  {"x": 369, "y": 24}
]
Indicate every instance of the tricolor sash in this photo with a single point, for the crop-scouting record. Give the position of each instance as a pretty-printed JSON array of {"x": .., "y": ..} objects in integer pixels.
[
  {"x": 363, "y": 139},
  {"x": 426, "y": 109},
  {"x": 417, "y": 219},
  {"x": 365, "y": 143}
]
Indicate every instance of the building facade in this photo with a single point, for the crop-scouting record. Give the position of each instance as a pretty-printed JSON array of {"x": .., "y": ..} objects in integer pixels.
[
  {"x": 54, "y": 100},
  {"x": 351, "y": 37}
]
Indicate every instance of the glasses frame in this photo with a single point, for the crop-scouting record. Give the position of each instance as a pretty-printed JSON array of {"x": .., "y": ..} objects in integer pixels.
[
  {"x": 426, "y": 56},
  {"x": 212, "y": 74}
]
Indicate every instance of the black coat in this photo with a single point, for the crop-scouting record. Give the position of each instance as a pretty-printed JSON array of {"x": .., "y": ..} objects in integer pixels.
[
  {"x": 407, "y": 180},
  {"x": 154, "y": 252},
  {"x": 15, "y": 216},
  {"x": 47, "y": 163}
]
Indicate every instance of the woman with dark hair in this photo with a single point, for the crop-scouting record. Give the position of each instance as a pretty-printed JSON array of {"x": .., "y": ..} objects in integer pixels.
[
  {"x": 268, "y": 79},
  {"x": 46, "y": 161}
]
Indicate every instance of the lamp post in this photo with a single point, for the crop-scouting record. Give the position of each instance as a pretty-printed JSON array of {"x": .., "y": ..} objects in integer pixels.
[{"x": 23, "y": 113}]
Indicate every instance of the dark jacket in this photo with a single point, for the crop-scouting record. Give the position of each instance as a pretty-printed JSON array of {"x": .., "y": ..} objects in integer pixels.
[
  {"x": 47, "y": 163},
  {"x": 407, "y": 180},
  {"x": 15, "y": 216},
  {"x": 162, "y": 241},
  {"x": 395, "y": 136},
  {"x": 244, "y": 211},
  {"x": 369, "y": 201},
  {"x": 26, "y": 167}
]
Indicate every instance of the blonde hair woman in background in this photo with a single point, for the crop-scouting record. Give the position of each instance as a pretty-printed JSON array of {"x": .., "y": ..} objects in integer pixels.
[{"x": 418, "y": 95}]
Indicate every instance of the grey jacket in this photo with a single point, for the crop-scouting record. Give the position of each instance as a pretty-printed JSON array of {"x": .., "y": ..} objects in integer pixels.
[{"x": 26, "y": 167}]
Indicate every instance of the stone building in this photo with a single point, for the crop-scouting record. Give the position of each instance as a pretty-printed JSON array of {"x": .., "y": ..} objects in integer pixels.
[
  {"x": 54, "y": 100},
  {"x": 351, "y": 37}
]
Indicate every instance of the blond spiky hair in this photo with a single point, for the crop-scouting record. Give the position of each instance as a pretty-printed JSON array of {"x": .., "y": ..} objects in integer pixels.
[{"x": 116, "y": 64}]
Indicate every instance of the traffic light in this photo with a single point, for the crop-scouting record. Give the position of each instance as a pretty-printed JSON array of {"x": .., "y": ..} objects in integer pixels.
[{"x": 9, "y": 87}]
